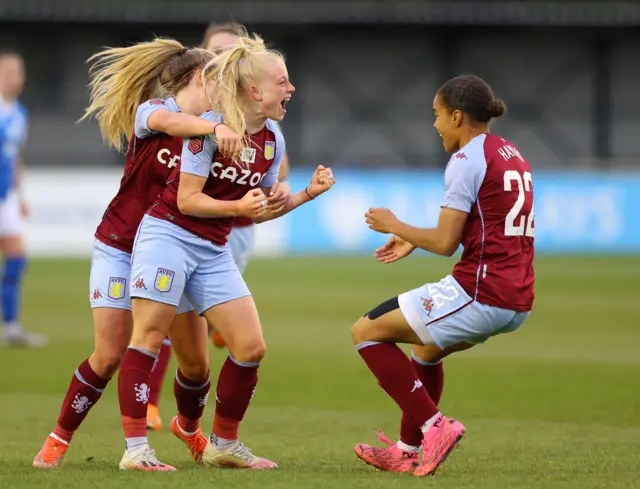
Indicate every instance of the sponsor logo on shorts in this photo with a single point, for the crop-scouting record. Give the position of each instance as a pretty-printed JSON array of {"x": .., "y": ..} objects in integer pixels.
[
  {"x": 164, "y": 280},
  {"x": 427, "y": 305},
  {"x": 117, "y": 288},
  {"x": 139, "y": 284},
  {"x": 96, "y": 295}
]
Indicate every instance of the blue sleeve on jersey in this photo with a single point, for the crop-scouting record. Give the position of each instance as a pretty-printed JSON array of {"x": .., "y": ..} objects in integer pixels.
[
  {"x": 198, "y": 152},
  {"x": 272, "y": 175},
  {"x": 462, "y": 180},
  {"x": 141, "y": 124}
]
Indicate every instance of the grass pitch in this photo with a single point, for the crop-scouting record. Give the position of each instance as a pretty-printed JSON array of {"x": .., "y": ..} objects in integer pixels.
[{"x": 554, "y": 405}]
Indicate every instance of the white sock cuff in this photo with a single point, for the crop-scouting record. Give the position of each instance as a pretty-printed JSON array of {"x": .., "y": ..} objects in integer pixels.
[
  {"x": 422, "y": 362},
  {"x": 407, "y": 448}
]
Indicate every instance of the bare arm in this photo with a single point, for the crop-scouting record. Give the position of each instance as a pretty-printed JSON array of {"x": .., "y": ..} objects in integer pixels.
[
  {"x": 192, "y": 202},
  {"x": 441, "y": 240},
  {"x": 180, "y": 125},
  {"x": 294, "y": 201}
]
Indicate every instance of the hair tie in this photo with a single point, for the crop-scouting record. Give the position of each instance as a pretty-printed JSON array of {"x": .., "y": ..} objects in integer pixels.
[{"x": 183, "y": 51}]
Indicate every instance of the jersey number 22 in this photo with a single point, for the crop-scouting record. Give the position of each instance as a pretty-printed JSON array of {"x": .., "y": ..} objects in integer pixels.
[{"x": 524, "y": 185}]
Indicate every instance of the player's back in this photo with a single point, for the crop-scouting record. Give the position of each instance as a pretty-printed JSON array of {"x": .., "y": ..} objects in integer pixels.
[
  {"x": 496, "y": 267},
  {"x": 151, "y": 158},
  {"x": 13, "y": 133}
]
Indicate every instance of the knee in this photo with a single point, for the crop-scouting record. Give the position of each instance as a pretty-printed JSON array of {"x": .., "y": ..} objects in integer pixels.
[
  {"x": 105, "y": 362},
  {"x": 252, "y": 352},
  {"x": 359, "y": 330},
  {"x": 195, "y": 370},
  {"x": 428, "y": 354}
]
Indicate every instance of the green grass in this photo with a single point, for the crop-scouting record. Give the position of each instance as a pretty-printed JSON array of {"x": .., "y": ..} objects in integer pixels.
[{"x": 554, "y": 405}]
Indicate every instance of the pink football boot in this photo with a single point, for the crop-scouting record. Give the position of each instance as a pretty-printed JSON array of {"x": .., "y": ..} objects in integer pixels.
[
  {"x": 439, "y": 441},
  {"x": 390, "y": 458}
]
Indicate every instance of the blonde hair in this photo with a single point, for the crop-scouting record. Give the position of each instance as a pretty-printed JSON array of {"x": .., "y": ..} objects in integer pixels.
[
  {"x": 230, "y": 73},
  {"x": 123, "y": 78}
]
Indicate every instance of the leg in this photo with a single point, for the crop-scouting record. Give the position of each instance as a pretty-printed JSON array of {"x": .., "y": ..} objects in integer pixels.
[
  {"x": 241, "y": 243},
  {"x": 155, "y": 385},
  {"x": 13, "y": 251},
  {"x": 160, "y": 268},
  {"x": 111, "y": 306},
  {"x": 238, "y": 323},
  {"x": 191, "y": 385},
  {"x": 395, "y": 320},
  {"x": 375, "y": 335},
  {"x": 151, "y": 324},
  {"x": 220, "y": 294},
  {"x": 112, "y": 333},
  {"x": 240, "y": 327},
  {"x": 427, "y": 362}
]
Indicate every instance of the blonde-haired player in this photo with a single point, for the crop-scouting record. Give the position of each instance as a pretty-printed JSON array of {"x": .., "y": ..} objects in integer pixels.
[
  {"x": 181, "y": 247},
  {"x": 150, "y": 94}
]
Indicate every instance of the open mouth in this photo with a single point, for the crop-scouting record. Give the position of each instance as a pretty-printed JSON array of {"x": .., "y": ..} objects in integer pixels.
[{"x": 283, "y": 104}]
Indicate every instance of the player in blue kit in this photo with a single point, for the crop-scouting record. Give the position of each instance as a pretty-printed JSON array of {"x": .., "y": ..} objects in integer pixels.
[{"x": 13, "y": 209}]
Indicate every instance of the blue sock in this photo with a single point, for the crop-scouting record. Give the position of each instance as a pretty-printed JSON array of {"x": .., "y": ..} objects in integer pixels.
[{"x": 11, "y": 278}]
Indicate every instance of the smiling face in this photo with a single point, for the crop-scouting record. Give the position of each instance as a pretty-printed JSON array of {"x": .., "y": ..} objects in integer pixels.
[
  {"x": 447, "y": 123},
  {"x": 273, "y": 90}
]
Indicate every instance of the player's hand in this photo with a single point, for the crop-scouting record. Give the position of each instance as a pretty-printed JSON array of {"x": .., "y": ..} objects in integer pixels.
[
  {"x": 381, "y": 220},
  {"x": 253, "y": 204},
  {"x": 229, "y": 143},
  {"x": 395, "y": 249},
  {"x": 278, "y": 197},
  {"x": 321, "y": 181},
  {"x": 25, "y": 210}
]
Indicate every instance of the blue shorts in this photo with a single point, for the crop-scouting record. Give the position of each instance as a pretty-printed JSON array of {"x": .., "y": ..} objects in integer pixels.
[
  {"x": 110, "y": 276},
  {"x": 443, "y": 314},
  {"x": 241, "y": 242},
  {"x": 169, "y": 261}
]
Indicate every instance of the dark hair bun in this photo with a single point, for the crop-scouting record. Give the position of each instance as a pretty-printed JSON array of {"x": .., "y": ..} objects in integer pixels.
[{"x": 496, "y": 108}]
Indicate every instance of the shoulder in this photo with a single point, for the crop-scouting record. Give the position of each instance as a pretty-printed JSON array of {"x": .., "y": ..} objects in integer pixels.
[
  {"x": 274, "y": 127},
  {"x": 159, "y": 104},
  {"x": 154, "y": 102},
  {"x": 471, "y": 158},
  {"x": 502, "y": 153},
  {"x": 496, "y": 146}
]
